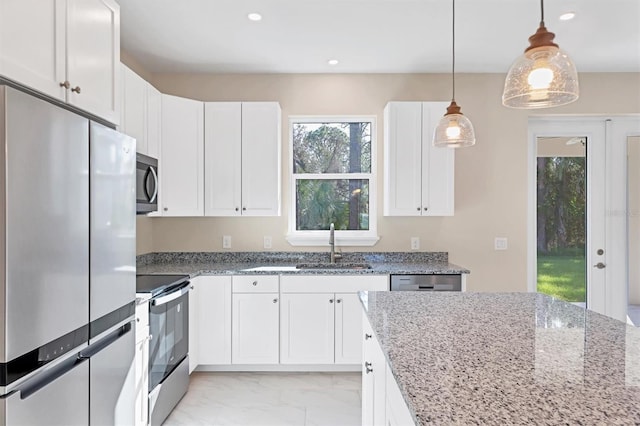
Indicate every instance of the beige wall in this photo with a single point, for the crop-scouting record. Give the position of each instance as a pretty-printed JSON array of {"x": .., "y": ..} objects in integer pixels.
[{"x": 491, "y": 177}]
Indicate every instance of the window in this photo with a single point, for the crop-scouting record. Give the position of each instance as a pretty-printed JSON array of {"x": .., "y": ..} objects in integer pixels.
[{"x": 332, "y": 180}]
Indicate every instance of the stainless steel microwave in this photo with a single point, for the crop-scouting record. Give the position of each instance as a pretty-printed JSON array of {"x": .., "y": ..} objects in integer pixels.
[{"x": 146, "y": 184}]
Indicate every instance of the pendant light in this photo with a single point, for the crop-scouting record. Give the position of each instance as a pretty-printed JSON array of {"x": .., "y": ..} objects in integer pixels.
[
  {"x": 543, "y": 76},
  {"x": 454, "y": 129}
]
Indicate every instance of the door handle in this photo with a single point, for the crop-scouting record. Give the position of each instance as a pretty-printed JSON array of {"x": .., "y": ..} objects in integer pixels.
[{"x": 600, "y": 265}]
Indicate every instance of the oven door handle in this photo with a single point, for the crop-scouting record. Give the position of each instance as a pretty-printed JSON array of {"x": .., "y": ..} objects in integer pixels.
[{"x": 171, "y": 296}]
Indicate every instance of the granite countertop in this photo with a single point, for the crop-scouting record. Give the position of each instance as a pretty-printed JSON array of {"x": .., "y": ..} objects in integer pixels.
[
  {"x": 507, "y": 358},
  {"x": 237, "y": 263}
]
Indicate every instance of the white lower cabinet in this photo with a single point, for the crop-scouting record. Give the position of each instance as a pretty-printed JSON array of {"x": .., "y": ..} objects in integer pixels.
[
  {"x": 255, "y": 320},
  {"x": 321, "y": 318},
  {"x": 141, "y": 362},
  {"x": 307, "y": 324},
  {"x": 194, "y": 325},
  {"x": 382, "y": 402}
]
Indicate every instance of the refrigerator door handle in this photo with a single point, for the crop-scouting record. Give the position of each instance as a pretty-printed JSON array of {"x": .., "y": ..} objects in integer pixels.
[
  {"x": 93, "y": 349},
  {"x": 41, "y": 380}
]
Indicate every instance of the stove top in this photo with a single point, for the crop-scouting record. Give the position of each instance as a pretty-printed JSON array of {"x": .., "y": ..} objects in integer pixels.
[{"x": 156, "y": 284}]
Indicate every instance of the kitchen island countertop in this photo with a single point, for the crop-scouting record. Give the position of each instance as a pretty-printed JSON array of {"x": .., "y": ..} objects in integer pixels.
[{"x": 507, "y": 358}]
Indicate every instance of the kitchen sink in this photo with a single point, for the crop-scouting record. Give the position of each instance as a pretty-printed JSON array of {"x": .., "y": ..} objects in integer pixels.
[{"x": 341, "y": 265}]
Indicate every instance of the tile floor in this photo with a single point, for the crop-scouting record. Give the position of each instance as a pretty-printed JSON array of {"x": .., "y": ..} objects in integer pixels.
[{"x": 265, "y": 399}]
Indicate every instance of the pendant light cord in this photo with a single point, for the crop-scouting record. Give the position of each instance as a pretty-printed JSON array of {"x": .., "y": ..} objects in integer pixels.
[
  {"x": 542, "y": 13},
  {"x": 453, "y": 50}
]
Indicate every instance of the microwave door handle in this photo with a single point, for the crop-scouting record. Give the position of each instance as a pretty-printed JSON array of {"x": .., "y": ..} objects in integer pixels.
[
  {"x": 155, "y": 185},
  {"x": 169, "y": 297}
]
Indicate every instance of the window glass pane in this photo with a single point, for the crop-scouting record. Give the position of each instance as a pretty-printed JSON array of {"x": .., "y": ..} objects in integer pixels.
[
  {"x": 332, "y": 147},
  {"x": 345, "y": 202}
]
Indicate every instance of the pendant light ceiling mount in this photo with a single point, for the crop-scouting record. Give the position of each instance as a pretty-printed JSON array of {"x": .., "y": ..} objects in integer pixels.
[
  {"x": 544, "y": 76},
  {"x": 454, "y": 129}
]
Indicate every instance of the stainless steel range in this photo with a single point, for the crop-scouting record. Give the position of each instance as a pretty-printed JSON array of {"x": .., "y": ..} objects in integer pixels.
[{"x": 169, "y": 347}]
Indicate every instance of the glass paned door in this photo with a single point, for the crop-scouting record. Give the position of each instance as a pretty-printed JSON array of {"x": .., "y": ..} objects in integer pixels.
[{"x": 561, "y": 217}]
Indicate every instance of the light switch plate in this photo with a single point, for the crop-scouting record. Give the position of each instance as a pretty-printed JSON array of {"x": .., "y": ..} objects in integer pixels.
[
  {"x": 500, "y": 243},
  {"x": 415, "y": 243},
  {"x": 267, "y": 242},
  {"x": 226, "y": 241}
]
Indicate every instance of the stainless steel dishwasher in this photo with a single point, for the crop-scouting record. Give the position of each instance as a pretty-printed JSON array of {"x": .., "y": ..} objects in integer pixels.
[{"x": 426, "y": 282}]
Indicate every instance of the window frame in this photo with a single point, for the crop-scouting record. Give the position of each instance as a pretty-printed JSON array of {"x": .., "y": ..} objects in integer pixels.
[{"x": 342, "y": 237}]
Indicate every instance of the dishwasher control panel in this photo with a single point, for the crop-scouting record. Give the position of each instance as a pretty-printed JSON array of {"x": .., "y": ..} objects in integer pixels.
[{"x": 426, "y": 282}]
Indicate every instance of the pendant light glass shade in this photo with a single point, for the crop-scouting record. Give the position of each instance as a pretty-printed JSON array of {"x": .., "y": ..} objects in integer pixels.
[
  {"x": 454, "y": 129},
  {"x": 544, "y": 76}
]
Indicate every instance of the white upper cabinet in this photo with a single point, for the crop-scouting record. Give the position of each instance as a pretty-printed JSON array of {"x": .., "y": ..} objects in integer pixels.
[
  {"x": 242, "y": 163},
  {"x": 32, "y": 44},
  {"x": 182, "y": 167},
  {"x": 141, "y": 112},
  {"x": 134, "y": 108},
  {"x": 93, "y": 56},
  {"x": 67, "y": 49},
  {"x": 419, "y": 178}
]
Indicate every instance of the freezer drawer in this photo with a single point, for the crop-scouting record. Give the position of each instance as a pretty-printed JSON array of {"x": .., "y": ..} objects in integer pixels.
[
  {"x": 49, "y": 400},
  {"x": 112, "y": 381}
]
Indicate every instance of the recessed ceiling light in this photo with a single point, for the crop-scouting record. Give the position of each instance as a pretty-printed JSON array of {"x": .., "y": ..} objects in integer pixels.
[
  {"x": 332, "y": 62},
  {"x": 254, "y": 16},
  {"x": 567, "y": 16}
]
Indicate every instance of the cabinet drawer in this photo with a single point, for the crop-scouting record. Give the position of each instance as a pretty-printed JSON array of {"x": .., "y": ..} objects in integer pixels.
[{"x": 255, "y": 283}]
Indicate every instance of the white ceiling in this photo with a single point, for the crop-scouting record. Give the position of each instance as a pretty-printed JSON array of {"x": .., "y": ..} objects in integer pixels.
[{"x": 372, "y": 36}]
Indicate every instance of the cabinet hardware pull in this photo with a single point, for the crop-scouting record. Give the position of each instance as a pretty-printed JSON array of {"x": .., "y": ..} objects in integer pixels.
[
  {"x": 150, "y": 337},
  {"x": 275, "y": 300},
  {"x": 330, "y": 300},
  {"x": 65, "y": 84},
  {"x": 244, "y": 208},
  {"x": 76, "y": 89},
  {"x": 255, "y": 283},
  {"x": 600, "y": 265},
  {"x": 426, "y": 208},
  {"x": 367, "y": 336},
  {"x": 237, "y": 208},
  {"x": 137, "y": 319},
  {"x": 367, "y": 366},
  {"x": 339, "y": 301},
  {"x": 166, "y": 209},
  {"x": 192, "y": 287},
  {"x": 418, "y": 209}
]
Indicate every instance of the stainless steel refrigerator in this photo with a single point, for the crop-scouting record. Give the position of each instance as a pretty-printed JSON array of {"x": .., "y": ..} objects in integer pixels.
[{"x": 67, "y": 267}]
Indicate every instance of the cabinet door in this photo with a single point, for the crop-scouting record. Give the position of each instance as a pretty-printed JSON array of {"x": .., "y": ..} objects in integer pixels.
[
  {"x": 368, "y": 385},
  {"x": 254, "y": 328},
  {"x": 134, "y": 106},
  {"x": 307, "y": 329},
  {"x": 182, "y": 174},
  {"x": 93, "y": 57},
  {"x": 261, "y": 159},
  {"x": 397, "y": 412},
  {"x": 142, "y": 380},
  {"x": 348, "y": 329},
  {"x": 214, "y": 320},
  {"x": 222, "y": 141},
  {"x": 194, "y": 325},
  {"x": 32, "y": 44},
  {"x": 437, "y": 166},
  {"x": 154, "y": 121},
  {"x": 403, "y": 159}
]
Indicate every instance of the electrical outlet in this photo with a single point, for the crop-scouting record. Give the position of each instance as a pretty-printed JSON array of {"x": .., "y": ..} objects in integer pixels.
[
  {"x": 267, "y": 242},
  {"x": 500, "y": 243},
  {"x": 226, "y": 241},
  {"x": 415, "y": 243}
]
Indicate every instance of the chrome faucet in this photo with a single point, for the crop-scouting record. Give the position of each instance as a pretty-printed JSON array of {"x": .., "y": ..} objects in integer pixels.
[{"x": 333, "y": 256}]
